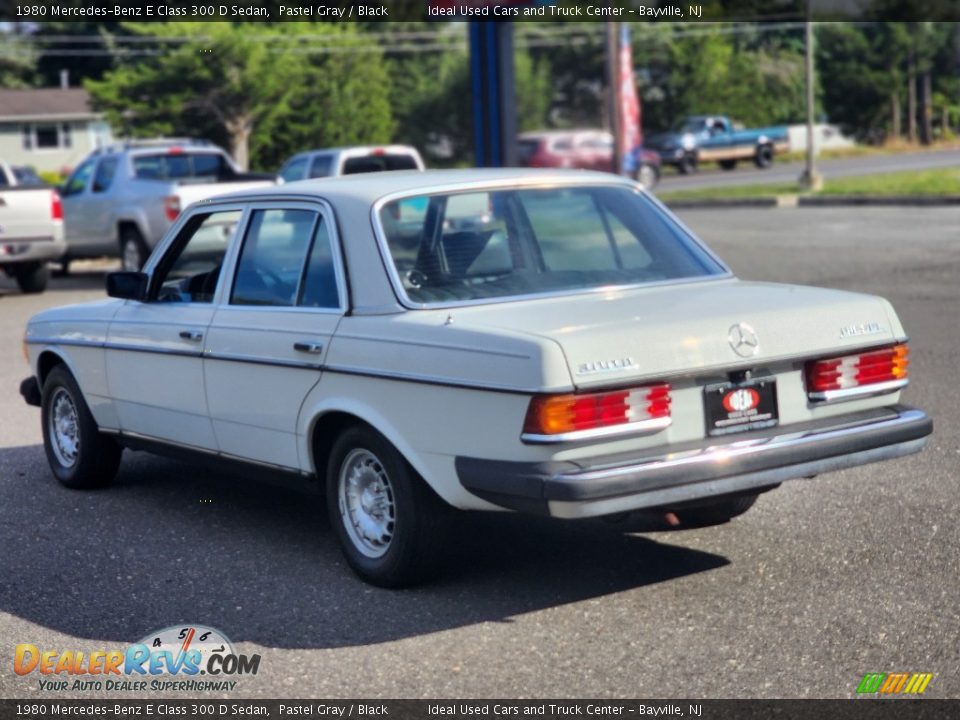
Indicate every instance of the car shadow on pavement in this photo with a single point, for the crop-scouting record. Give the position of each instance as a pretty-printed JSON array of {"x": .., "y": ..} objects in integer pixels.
[{"x": 173, "y": 543}]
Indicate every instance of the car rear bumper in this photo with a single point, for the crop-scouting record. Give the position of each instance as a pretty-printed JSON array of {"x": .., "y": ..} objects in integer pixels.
[
  {"x": 32, "y": 249},
  {"x": 694, "y": 471}
]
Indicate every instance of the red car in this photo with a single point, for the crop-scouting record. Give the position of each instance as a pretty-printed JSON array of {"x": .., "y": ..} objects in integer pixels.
[{"x": 584, "y": 150}]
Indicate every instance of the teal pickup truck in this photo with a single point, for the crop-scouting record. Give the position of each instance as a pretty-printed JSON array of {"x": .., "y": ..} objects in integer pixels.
[{"x": 713, "y": 138}]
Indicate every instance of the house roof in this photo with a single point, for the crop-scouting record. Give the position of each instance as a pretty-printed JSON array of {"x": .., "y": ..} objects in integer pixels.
[{"x": 45, "y": 104}]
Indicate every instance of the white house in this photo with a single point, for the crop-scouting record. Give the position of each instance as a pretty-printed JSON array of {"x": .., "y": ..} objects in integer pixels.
[{"x": 50, "y": 129}]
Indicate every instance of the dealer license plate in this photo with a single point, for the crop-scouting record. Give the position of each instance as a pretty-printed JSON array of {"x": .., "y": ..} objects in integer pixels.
[{"x": 739, "y": 407}]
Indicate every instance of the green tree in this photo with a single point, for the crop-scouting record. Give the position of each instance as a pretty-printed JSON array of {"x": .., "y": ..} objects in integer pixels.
[{"x": 265, "y": 94}]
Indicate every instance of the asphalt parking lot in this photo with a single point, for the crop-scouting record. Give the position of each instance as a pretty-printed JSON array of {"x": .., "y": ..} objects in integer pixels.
[{"x": 821, "y": 582}]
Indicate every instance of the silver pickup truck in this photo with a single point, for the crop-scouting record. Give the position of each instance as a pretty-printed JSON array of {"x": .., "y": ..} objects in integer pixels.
[
  {"x": 122, "y": 198},
  {"x": 31, "y": 227}
]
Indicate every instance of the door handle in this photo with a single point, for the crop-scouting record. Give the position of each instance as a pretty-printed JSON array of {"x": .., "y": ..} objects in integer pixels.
[
  {"x": 308, "y": 347},
  {"x": 192, "y": 335}
]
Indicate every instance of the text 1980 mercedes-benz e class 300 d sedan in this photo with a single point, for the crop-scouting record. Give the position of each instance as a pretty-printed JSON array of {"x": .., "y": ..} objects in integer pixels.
[{"x": 546, "y": 342}]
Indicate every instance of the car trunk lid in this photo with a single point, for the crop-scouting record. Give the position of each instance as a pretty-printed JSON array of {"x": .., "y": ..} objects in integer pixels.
[{"x": 681, "y": 329}]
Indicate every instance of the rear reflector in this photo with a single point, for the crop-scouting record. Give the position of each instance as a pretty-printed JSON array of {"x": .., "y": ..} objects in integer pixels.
[
  {"x": 56, "y": 206},
  {"x": 863, "y": 373},
  {"x": 171, "y": 207},
  {"x": 562, "y": 417}
]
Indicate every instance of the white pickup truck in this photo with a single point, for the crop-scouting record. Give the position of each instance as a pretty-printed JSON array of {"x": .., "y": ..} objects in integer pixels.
[
  {"x": 122, "y": 198},
  {"x": 31, "y": 227}
]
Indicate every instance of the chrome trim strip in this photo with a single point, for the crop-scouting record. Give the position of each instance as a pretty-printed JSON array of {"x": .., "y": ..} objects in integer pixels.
[
  {"x": 206, "y": 451},
  {"x": 634, "y": 428},
  {"x": 432, "y": 380},
  {"x": 164, "y": 441},
  {"x": 532, "y": 182},
  {"x": 718, "y": 455},
  {"x": 739, "y": 483},
  {"x": 433, "y": 345},
  {"x": 254, "y": 360},
  {"x": 862, "y": 391},
  {"x": 123, "y": 347},
  {"x": 65, "y": 342}
]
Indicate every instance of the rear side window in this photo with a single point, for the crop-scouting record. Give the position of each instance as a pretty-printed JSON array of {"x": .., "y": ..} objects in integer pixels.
[
  {"x": 272, "y": 258},
  {"x": 379, "y": 163},
  {"x": 181, "y": 166}
]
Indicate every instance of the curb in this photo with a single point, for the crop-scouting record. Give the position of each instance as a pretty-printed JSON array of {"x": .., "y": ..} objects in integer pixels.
[
  {"x": 894, "y": 200},
  {"x": 793, "y": 201},
  {"x": 759, "y": 202}
]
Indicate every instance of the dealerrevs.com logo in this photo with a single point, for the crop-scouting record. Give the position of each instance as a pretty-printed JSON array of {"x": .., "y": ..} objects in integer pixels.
[
  {"x": 187, "y": 658},
  {"x": 896, "y": 683}
]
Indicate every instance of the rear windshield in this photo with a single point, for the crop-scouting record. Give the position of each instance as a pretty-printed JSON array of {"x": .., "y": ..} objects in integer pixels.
[
  {"x": 527, "y": 241},
  {"x": 182, "y": 166},
  {"x": 27, "y": 177},
  {"x": 378, "y": 163}
]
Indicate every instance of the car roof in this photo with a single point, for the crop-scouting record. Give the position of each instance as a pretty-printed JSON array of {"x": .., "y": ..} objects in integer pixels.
[{"x": 370, "y": 187}]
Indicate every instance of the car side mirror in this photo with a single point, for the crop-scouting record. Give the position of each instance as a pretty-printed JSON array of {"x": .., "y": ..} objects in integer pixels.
[{"x": 127, "y": 285}]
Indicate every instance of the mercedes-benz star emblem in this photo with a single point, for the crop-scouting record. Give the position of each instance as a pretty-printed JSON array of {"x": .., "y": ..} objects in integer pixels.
[{"x": 743, "y": 340}]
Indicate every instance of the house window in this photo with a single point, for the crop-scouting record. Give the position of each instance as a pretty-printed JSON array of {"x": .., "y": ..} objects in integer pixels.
[{"x": 46, "y": 136}]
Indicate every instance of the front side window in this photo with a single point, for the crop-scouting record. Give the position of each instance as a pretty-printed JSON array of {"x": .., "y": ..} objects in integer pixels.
[
  {"x": 529, "y": 241},
  {"x": 272, "y": 258},
  {"x": 191, "y": 268},
  {"x": 78, "y": 181}
]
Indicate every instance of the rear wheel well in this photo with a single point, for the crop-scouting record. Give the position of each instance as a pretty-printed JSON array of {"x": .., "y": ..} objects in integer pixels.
[
  {"x": 45, "y": 363},
  {"x": 326, "y": 430}
]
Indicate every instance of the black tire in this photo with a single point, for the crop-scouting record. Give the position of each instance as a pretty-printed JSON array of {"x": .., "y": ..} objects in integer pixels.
[
  {"x": 764, "y": 156},
  {"x": 727, "y": 164},
  {"x": 687, "y": 164},
  {"x": 403, "y": 540},
  {"x": 94, "y": 458},
  {"x": 648, "y": 176},
  {"x": 32, "y": 277},
  {"x": 63, "y": 267},
  {"x": 133, "y": 250},
  {"x": 715, "y": 513}
]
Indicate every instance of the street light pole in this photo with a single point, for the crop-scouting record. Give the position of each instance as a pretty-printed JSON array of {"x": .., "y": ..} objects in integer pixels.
[{"x": 811, "y": 180}]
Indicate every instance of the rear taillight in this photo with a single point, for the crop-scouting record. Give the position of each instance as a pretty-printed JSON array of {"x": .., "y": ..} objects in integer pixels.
[
  {"x": 171, "y": 207},
  {"x": 855, "y": 375},
  {"x": 56, "y": 207},
  {"x": 574, "y": 416}
]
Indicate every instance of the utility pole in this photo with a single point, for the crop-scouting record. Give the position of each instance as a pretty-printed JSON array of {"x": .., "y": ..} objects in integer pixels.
[
  {"x": 613, "y": 99},
  {"x": 811, "y": 179}
]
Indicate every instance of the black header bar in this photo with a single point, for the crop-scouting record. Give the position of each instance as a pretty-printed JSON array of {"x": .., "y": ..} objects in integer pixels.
[{"x": 482, "y": 10}]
